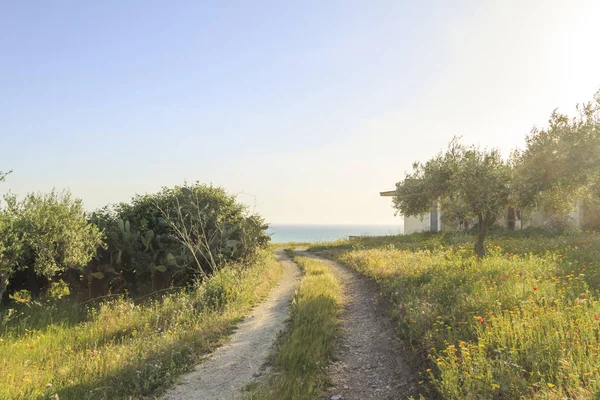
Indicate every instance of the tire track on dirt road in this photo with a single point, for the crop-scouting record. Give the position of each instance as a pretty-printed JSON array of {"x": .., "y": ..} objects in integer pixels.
[{"x": 370, "y": 362}]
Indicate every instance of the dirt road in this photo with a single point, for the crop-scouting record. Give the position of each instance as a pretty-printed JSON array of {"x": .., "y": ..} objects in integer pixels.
[
  {"x": 370, "y": 362},
  {"x": 226, "y": 371}
]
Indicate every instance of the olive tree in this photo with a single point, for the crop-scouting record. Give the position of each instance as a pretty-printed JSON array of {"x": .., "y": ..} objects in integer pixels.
[
  {"x": 46, "y": 234},
  {"x": 468, "y": 182},
  {"x": 561, "y": 163}
]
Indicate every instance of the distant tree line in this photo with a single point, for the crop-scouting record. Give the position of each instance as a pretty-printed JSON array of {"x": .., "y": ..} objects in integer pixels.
[
  {"x": 171, "y": 238},
  {"x": 560, "y": 165}
]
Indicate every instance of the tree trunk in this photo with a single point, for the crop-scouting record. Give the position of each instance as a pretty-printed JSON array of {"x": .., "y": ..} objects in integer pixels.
[
  {"x": 72, "y": 278},
  {"x": 31, "y": 282},
  {"x": 481, "y": 234},
  {"x": 3, "y": 285},
  {"x": 511, "y": 219}
]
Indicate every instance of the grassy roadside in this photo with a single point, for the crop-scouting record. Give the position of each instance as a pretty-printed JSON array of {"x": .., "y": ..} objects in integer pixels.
[
  {"x": 122, "y": 349},
  {"x": 522, "y": 323},
  {"x": 303, "y": 352}
]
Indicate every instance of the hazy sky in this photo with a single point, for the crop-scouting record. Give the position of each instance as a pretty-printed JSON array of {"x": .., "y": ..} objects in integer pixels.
[{"x": 310, "y": 107}]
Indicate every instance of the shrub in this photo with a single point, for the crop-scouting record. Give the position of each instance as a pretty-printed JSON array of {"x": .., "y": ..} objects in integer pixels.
[
  {"x": 175, "y": 236},
  {"x": 42, "y": 237}
]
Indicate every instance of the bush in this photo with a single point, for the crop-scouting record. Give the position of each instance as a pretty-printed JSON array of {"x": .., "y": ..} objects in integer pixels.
[
  {"x": 171, "y": 238},
  {"x": 43, "y": 237},
  {"x": 175, "y": 236}
]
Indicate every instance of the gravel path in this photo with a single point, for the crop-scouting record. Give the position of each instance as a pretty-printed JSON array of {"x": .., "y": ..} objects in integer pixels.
[
  {"x": 226, "y": 371},
  {"x": 369, "y": 361}
]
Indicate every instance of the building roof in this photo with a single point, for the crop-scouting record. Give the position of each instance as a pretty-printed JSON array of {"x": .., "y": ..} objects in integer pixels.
[{"x": 389, "y": 193}]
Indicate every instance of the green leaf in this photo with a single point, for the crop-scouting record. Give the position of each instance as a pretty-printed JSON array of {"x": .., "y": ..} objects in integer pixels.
[
  {"x": 161, "y": 268},
  {"x": 149, "y": 236},
  {"x": 170, "y": 259},
  {"x": 232, "y": 243},
  {"x": 113, "y": 236}
]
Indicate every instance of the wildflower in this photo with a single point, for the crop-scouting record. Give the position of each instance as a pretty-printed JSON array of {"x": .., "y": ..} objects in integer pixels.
[
  {"x": 535, "y": 288},
  {"x": 48, "y": 385},
  {"x": 550, "y": 385},
  {"x": 30, "y": 347},
  {"x": 597, "y": 318}
]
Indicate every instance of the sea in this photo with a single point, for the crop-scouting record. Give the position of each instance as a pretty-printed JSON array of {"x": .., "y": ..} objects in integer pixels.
[{"x": 283, "y": 233}]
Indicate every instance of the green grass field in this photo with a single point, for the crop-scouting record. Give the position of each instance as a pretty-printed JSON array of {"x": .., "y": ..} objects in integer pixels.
[
  {"x": 121, "y": 348},
  {"x": 522, "y": 323}
]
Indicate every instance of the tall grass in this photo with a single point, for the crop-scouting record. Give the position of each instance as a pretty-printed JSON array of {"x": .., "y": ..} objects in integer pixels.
[
  {"x": 303, "y": 353},
  {"x": 522, "y": 323},
  {"x": 120, "y": 348}
]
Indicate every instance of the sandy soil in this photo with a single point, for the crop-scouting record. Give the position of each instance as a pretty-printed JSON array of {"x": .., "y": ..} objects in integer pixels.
[
  {"x": 369, "y": 361},
  {"x": 226, "y": 371}
]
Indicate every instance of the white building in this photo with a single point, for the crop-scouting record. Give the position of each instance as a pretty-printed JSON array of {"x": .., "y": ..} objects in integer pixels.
[
  {"x": 428, "y": 222},
  {"x": 432, "y": 222}
]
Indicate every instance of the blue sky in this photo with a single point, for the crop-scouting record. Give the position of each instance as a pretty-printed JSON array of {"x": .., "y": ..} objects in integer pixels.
[{"x": 309, "y": 107}]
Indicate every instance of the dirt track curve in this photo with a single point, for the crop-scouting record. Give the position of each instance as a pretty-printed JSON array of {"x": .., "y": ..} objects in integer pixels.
[{"x": 369, "y": 361}]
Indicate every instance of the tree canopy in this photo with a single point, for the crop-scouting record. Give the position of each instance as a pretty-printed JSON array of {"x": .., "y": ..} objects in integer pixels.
[
  {"x": 561, "y": 163},
  {"x": 468, "y": 182}
]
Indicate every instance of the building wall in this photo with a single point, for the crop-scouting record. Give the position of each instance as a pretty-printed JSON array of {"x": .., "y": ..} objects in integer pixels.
[
  {"x": 535, "y": 219},
  {"x": 417, "y": 224}
]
